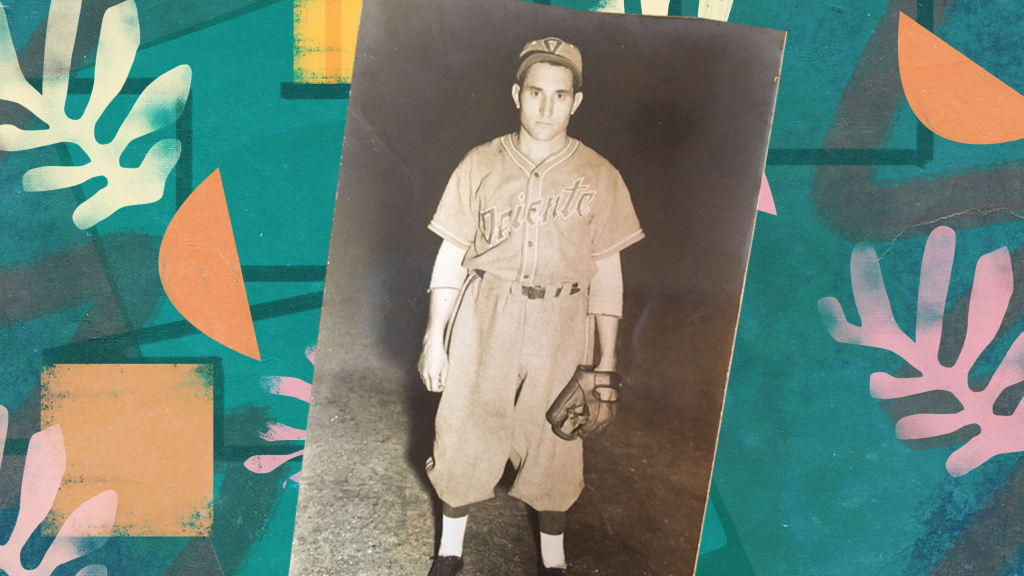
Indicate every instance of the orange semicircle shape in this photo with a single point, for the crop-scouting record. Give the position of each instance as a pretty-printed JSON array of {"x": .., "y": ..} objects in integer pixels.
[
  {"x": 200, "y": 272},
  {"x": 951, "y": 95}
]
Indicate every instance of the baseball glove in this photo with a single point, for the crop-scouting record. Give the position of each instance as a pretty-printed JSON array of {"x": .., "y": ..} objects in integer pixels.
[{"x": 586, "y": 405}]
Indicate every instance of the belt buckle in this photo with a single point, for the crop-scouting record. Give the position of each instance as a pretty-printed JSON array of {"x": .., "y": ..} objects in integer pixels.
[{"x": 534, "y": 292}]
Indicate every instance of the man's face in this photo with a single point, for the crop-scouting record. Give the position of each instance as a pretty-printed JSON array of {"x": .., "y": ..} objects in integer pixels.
[{"x": 546, "y": 100}]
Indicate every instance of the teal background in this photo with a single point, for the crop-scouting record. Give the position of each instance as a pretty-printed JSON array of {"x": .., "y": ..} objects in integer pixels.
[{"x": 809, "y": 476}]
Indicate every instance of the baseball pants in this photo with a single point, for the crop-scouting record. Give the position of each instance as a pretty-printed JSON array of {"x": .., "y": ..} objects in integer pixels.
[{"x": 509, "y": 356}]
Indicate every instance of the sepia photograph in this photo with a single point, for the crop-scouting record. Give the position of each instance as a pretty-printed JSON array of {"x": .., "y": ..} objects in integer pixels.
[{"x": 537, "y": 260}]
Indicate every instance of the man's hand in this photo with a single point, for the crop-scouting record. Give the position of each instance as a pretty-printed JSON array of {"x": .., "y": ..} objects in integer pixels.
[{"x": 433, "y": 365}]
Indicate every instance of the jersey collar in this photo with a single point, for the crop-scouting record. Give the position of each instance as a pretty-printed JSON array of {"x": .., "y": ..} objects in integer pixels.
[{"x": 524, "y": 163}]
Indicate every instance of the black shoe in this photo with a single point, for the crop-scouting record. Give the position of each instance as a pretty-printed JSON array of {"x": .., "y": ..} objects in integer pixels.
[
  {"x": 545, "y": 571},
  {"x": 446, "y": 566}
]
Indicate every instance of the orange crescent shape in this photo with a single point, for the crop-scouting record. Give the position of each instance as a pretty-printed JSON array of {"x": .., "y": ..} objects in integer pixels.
[
  {"x": 951, "y": 95},
  {"x": 200, "y": 273}
]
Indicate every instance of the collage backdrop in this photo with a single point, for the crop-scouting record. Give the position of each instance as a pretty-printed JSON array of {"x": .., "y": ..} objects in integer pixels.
[{"x": 167, "y": 178}]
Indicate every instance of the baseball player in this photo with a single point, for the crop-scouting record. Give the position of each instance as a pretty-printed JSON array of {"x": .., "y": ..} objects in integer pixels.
[{"x": 532, "y": 225}]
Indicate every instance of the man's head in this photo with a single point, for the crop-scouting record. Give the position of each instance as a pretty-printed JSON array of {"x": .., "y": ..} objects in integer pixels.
[{"x": 547, "y": 88}]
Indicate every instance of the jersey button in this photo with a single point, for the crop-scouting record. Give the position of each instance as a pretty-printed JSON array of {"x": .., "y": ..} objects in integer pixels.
[
  {"x": 536, "y": 174},
  {"x": 530, "y": 243}
]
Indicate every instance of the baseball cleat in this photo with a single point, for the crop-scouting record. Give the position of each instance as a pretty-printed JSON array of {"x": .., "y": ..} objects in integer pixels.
[{"x": 446, "y": 566}]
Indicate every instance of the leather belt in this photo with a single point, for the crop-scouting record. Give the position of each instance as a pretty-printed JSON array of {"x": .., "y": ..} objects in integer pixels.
[{"x": 539, "y": 292}]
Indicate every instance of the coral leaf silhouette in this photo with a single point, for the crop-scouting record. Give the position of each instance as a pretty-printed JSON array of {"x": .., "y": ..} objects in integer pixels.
[
  {"x": 989, "y": 300},
  {"x": 85, "y": 530},
  {"x": 158, "y": 106}
]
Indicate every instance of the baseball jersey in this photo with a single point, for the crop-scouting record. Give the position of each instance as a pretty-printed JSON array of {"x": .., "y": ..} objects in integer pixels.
[{"x": 541, "y": 224}]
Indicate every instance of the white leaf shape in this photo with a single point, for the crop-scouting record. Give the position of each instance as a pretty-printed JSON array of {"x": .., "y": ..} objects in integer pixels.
[
  {"x": 158, "y": 106},
  {"x": 131, "y": 186},
  {"x": 115, "y": 52},
  {"x": 14, "y": 139},
  {"x": 61, "y": 29},
  {"x": 14, "y": 88},
  {"x": 46, "y": 178}
]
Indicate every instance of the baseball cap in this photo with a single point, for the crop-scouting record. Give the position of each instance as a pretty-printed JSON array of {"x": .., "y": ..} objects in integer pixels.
[{"x": 552, "y": 49}]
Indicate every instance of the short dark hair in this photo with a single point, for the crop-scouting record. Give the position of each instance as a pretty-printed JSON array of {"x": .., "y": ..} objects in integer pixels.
[{"x": 576, "y": 85}]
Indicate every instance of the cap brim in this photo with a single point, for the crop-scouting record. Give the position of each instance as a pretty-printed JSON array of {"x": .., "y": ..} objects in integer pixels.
[{"x": 536, "y": 57}]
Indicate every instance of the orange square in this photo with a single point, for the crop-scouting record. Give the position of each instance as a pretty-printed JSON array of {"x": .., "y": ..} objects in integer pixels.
[{"x": 142, "y": 430}]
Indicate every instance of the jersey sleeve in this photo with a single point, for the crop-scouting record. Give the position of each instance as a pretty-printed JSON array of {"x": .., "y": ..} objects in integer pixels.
[
  {"x": 455, "y": 219},
  {"x": 615, "y": 225}
]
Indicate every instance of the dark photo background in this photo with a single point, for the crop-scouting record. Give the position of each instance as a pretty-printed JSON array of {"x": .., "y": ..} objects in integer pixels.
[{"x": 683, "y": 109}]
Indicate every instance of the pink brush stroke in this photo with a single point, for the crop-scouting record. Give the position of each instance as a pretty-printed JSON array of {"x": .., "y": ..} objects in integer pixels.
[
  {"x": 277, "y": 432},
  {"x": 289, "y": 386},
  {"x": 990, "y": 297},
  {"x": 765, "y": 201},
  {"x": 44, "y": 468}
]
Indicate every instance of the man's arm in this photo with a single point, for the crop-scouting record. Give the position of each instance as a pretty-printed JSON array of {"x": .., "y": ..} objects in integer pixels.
[
  {"x": 433, "y": 364},
  {"x": 606, "y": 306},
  {"x": 607, "y": 331},
  {"x": 445, "y": 283}
]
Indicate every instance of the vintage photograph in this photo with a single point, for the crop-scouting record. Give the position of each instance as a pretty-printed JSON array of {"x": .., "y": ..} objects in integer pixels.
[{"x": 537, "y": 260}]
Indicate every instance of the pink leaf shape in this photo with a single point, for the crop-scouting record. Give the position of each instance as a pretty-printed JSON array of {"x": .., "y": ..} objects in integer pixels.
[
  {"x": 765, "y": 201},
  {"x": 289, "y": 386},
  {"x": 989, "y": 299},
  {"x": 917, "y": 426},
  {"x": 44, "y": 468},
  {"x": 4, "y": 417},
  {"x": 990, "y": 296},
  {"x": 94, "y": 518},
  {"x": 263, "y": 463},
  {"x": 277, "y": 432},
  {"x": 984, "y": 446},
  {"x": 936, "y": 268},
  {"x": 886, "y": 387},
  {"x": 1010, "y": 370}
]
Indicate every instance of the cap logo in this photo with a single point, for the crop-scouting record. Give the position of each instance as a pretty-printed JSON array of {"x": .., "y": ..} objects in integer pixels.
[{"x": 552, "y": 44}]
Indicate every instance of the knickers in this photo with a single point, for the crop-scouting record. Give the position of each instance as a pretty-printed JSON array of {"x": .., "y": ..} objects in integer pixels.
[{"x": 509, "y": 357}]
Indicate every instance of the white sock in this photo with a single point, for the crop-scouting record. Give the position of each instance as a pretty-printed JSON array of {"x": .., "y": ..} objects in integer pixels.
[
  {"x": 452, "y": 532},
  {"x": 552, "y": 552}
]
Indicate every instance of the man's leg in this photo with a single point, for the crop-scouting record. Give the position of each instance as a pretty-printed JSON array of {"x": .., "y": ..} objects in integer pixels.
[
  {"x": 453, "y": 529},
  {"x": 475, "y": 415},
  {"x": 551, "y": 475},
  {"x": 552, "y": 536}
]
